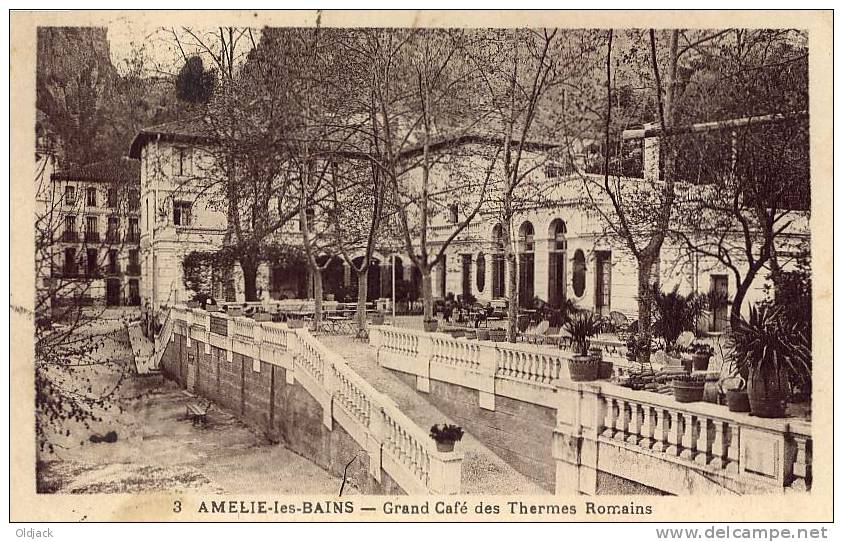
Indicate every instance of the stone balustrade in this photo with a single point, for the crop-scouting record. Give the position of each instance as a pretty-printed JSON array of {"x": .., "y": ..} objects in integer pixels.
[
  {"x": 394, "y": 443},
  {"x": 646, "y": 439}
]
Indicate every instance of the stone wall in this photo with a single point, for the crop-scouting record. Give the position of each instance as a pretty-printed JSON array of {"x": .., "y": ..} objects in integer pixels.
[{"x": 267, "y": 400}]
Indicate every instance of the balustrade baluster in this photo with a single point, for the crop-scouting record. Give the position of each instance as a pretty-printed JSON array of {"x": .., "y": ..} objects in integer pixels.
[
  {"x": 634, "y": 423},
  {"x": 675, "y": 433},
  {"x": 689, "y": 436},
  {"x": 621, "y": 421},
  {"x": 704, "y": 437},
  {"x": 609, "y": 419},
  {"x": 661, "y": 429}
]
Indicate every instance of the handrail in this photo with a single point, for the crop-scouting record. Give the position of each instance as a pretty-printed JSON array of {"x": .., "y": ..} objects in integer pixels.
[{"x": 421, "y": 467}]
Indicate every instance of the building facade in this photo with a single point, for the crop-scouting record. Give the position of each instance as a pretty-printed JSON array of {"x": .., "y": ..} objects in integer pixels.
[
  {"x": 89, "y": 226},
  {"x": 565, "y": 251}
]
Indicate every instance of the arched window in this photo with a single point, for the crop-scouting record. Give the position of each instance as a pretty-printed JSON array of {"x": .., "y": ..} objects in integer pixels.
[
  {"x": 498, "y": 262},
  {"x": 579, "y": 273},
  {"x": 556, "y": 272},
  {"x": 481, "y": 272},
  {"x": 526, "y": 235},
  {"x": 526, "y": 263}
]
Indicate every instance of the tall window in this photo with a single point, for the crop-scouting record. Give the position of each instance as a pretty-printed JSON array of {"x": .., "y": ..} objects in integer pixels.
[
  {"x": 91, "y": 199},
  {"x": 91, "y": 256},
  {"x": 526, "y": 267},
  {"x": 557, "y": 256},
  {"x": 112, "y": 198},
  {"x": 70, "y": 261},
  {"x": 91, "y": 230},
  {"x": 69, "y": 228},
  {"x": 134, "y": 199},
  {"x": 70, "y": 195},
  {"x": 454, "y": 210},
  {"x": 112, "y": 262},
  {"x": 181, "y": 161},
  {"x": 181, "y": 213},
  {"x": 111, "y": 233},
  {"x": 134, "y": 231}
]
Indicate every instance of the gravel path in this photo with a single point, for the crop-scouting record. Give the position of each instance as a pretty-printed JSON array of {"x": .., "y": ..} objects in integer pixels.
[{"x": 483, "y": 472}]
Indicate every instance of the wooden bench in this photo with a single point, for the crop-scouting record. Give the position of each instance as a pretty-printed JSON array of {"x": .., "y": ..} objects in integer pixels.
[{"x": 198, "y": 414}]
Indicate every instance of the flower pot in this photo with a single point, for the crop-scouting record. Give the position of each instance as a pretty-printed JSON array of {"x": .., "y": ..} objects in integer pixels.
[
  {"x": 482, "y": 334},
  {"x": 687, "y": 361},
  {"x": 377, "y": 320},
  {"x": 767, "y": 394},
  {"x": 445, "y": 446},
  {"x": 737, "y": 400},
  {"x": 605, "y": 370},
  {"x": 711, "y": 390},
  {"x": 470, "y": 333},
  {"x": 455, "y": 332},
  {"x": 688, "y": 392},
  {"x": 700, "y": 361},
  {"x": 431, "y": 325},
  {"x": 583, "y": 368}
]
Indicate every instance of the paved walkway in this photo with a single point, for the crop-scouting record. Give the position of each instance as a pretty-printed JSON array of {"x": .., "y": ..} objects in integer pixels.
[{"x": 483, "y": 472}]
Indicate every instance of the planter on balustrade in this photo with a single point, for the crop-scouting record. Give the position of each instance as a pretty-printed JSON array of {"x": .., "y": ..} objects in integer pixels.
[
  {"x": 711, "y": 390},
  {"x": 455, "y": 332},
  {"x": 737, "y": 399},
  {"x": 378, "y": 319},
  {"x": 470, "y": 333},
  {"x": 431, "y": 325},
  {"x": 767, "y": 393},
  {"x": 688, "y": 388},
  {"x": 295, "y": 324},
  {"x": 482, "y": 334},
  {"x": 446, "y": 436},
  {"x": 583, "y": 368}
]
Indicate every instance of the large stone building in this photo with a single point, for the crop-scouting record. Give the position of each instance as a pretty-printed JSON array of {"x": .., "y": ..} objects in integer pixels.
[
  {"x": 563, "y": 246},
  {"x": 88, "y": 228}
]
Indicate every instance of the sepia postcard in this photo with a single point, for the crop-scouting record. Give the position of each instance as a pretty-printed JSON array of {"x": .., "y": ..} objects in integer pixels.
[{"x": 497, "y": 266}]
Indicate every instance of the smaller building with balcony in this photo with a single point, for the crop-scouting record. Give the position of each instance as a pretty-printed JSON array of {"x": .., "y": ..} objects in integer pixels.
[{"x": 94, "y": 226}]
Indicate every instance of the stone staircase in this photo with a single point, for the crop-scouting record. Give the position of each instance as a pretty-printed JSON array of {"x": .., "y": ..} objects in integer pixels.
[{"x": 483, "y": 472}]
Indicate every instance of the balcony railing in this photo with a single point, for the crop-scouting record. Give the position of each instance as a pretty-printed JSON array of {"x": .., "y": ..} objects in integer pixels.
[
  {"x": 70, "y": 237},
  {"x": 92, "y": 237},
  {"x": 133, "y": 269},
  {"x": 112, "y": 237},
  {"x": 133, "y": 237}
]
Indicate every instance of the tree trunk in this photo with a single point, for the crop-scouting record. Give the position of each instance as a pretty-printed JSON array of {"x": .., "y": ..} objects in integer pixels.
[
  {"x": 250, "y": 278},
  {"x": 427, "y": 293},
  {"x": 362, "y": 292},
  {"x": 645, "y": 304},
  {"x": 512, "y": 285},
  {"x": 740, "y": 295},
  {"x": 316, "y": 273}
]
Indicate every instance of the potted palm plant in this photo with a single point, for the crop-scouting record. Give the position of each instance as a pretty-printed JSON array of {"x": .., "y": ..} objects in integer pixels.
[
  {"x": 445, "y": 436},
  {"x": 675, "y": 313},
  {"x": 770, "y": 353},
  {"x": 582, "y": 367}
]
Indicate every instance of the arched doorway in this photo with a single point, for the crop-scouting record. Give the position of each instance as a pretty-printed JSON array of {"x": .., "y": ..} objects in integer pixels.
[
  {"x": 557, "y": 254},
  {"x": 498, "y": 263},
  {"x": 526, "y": 263},
  {"x": 333, "y": 276}
]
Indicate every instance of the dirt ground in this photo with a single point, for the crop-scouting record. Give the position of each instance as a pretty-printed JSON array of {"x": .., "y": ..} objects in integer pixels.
[{"x": 159, "y": 449}]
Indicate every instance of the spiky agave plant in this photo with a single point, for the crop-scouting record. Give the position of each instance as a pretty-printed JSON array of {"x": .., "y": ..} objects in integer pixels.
[
  {"x": 581, "y": 327},
  {"x": 771, "y": 351}
]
